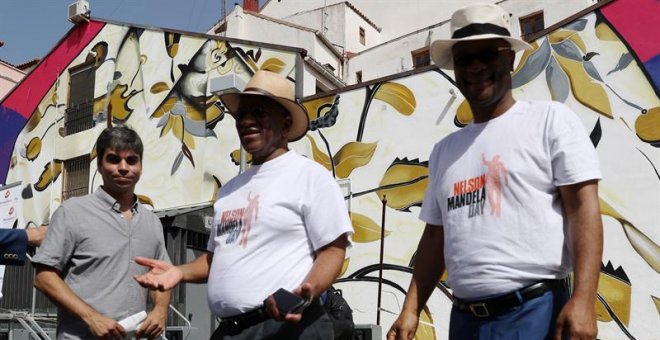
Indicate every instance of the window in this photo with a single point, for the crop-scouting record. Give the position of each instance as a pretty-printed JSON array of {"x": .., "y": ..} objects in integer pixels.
[
  {"x": 363, "y": 38},
  {"x": 421, "y": 57},
  {"x": 358, "y": 77},
  {"x": 75, "y": 177},
  {"x": 532, "y": 23},
  {"x": 79, "y": 115}
]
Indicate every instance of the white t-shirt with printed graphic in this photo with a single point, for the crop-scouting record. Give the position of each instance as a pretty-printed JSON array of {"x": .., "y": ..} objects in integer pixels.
[
  {"x": 268, "y": 221},
  {"x": 493, "y": 187}
]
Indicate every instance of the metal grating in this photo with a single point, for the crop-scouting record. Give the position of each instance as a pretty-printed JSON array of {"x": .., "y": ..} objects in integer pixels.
[
  {"x": 78, "y": 117},
  {"x": 76, "y": 177}
]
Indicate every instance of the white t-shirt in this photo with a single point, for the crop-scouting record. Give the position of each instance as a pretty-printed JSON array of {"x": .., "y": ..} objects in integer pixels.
[
  {"x": 493, "y": 187},
  {"x": 268, "y": 221}
]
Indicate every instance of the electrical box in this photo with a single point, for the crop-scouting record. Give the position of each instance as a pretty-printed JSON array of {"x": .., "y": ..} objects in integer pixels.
[{"x": 79, "y": 11}]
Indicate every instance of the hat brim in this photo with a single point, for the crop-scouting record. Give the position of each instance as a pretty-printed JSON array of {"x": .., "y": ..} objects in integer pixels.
[
  {"x": 299, "y": 117},
  {"x": 441, "y": 50}
]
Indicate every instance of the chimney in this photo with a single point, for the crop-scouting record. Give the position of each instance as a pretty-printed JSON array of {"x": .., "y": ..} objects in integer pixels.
[{"x": 251, "y": 5}]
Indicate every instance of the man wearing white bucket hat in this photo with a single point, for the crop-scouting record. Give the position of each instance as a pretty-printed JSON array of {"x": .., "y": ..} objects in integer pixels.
[
  {"x": 512, "y": 202},
  {"x": 281, "y": 224}
]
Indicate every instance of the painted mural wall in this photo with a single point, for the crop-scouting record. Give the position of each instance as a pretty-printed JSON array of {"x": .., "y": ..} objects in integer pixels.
[{"x": 377, "y": 137}]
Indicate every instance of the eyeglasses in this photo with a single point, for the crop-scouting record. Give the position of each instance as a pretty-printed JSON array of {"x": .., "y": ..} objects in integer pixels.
[{"x": 486, "y": 55}]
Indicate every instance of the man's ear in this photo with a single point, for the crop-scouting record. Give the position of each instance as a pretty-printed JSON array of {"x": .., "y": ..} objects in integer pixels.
[{"x": 288, "y": 123}]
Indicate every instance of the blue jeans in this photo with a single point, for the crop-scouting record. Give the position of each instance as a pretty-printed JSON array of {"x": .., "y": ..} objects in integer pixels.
[{"x": 534, "y": 319}]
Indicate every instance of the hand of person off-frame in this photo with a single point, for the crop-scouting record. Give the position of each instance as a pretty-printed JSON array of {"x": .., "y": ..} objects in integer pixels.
[
  {"x": 153, "y": 326},
  {"x": 104, "y": 327},
  {"x": 405, "y": 327},
  {"x": 161, "y": 276},
  {"x": 36, "y": 235},
  {"x": 304, "y": 290}
]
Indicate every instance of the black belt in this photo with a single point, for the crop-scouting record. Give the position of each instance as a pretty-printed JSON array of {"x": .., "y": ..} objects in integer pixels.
[
  {"x": 235, "y": 324},
  {"x": 502, "y": 304}
]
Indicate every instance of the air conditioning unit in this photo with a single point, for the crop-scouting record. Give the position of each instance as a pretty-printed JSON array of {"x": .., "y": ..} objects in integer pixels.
[{"x": 79, "y": 11}]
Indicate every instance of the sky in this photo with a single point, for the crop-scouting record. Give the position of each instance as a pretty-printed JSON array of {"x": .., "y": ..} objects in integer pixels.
[{"x": 31, "y": 28}]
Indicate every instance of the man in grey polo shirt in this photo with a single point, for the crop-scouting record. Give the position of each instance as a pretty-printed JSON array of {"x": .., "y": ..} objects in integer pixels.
[{"x": 85, "y": 264}]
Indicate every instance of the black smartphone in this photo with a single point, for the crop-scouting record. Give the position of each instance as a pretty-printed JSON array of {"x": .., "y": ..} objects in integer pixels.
[{"x": 289, "y": 303}]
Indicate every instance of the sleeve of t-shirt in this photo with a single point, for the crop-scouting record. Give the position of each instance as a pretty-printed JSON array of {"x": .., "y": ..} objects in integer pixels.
[
  {"x": 574, "y": 158},
  {"x": 430, "y": 212},
  {"x": 58, "y": 245},
  {"x": 324, "y": 210}
]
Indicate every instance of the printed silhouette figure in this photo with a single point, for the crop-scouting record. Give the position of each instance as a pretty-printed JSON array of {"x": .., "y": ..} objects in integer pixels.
[
  {"x": 496, "y": 171},
  {"x": 251, "y": 210}
]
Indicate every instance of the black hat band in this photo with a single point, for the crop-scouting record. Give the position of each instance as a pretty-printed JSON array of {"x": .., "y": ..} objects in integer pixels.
[{"x": 477, "y": 29}]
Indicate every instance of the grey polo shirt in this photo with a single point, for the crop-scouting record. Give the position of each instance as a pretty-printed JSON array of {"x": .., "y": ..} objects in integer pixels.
[{"x": 93, "y": 247}]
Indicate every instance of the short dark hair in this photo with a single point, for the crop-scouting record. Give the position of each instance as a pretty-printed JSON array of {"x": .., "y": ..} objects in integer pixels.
[{"x": 120, "y": 138}]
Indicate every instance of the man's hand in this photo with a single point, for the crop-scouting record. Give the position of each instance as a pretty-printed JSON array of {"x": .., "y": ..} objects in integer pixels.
[
  {"x": 153, "y": 326},
  {"x": 36, "y": 235},
  {"x": 405, "y": 327},
  {"x": 104, "y": 328},
  {"x": 162, "y": 276},
  {"x": 577, "y": 320},
  {"x": 304, "y": 290}
]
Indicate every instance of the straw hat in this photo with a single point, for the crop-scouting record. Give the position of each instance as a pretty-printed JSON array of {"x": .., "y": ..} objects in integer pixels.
[
  {"x": 277, "y": 88},
  {"x": 475, "y": 22}
]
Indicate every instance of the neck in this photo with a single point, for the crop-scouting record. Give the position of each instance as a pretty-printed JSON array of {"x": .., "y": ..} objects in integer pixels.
[
  {"x": 487, "y": 112},
  {"x": 125, "y": 199},
  {"x": 276, "y": 153}
]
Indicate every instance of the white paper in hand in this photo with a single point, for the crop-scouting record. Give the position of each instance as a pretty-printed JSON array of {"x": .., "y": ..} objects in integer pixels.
[{"x": 132, "y": 322}]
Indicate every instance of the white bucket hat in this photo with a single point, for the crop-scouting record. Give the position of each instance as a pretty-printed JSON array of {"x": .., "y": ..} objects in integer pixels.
[
  {"x": 274, "y": 87},
  {"x": 475, "y": 22}
]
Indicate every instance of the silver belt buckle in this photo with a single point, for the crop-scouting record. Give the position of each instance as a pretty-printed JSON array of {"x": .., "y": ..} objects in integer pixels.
[{"x": 479, "y": 310}]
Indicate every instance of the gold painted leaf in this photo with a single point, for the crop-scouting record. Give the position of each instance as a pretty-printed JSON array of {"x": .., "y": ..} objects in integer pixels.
[
  {"x": 604, "y": 32},
  {"x": 561, "y": 35},
  {"x": 616, "y": 293},
  {"x": 344, "y": 266},
  {"x": 318, "y": 107},
  {"x": 647, "y": 126},
  {"x": 236, "y": 157},
  {"x": 318, "y": 155},
  {"x": 397, "y": 95},
  {"x": 13, "y": 161},
  {"x": 656, "y": 301},
  {"x": 33, "y": 148},
  {"x": 167, "y": 127},
  {"x": 165, "y": 107},
  {"x": 464, "y": 114},
  {"x": 585, "y": 90},
  {"x": 33, "y": 121},
  {"x": 159, "y": 87},
  {"x": 92, "y": 154},
  {"x": 365, "y": 229},
  {"x": 145, "y": 200},
  {"x": 51, "y": 171},
  {"x": 177, "y": 127},
  {"x": 404, "y": 184},
  {"x": 273, "y": 64},
  {"x": 352, "y": 156},
  {"x": 172, "y": 43},
  {"x": 643, "y": 245},
  {"x": 118, "y": 105},
  {"x": 195, "y": 113},
  {"x": 424, "y": 330}
]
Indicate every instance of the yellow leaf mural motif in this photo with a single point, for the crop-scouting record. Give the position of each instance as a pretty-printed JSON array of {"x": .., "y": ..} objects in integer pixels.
[
  {"x": 318, "y": 107},
  {"x": 647, "y": 126},
  {"x": 344, "y": 266},
  {"x": 165, "y": 107},
  {"x": 585, "y": 90},
  {"x": 273, "y": 65},
  {"x": 33, "y": 121},
  {"x": 604, "y": 32},
  {"x": 13, "y": 162},
  {"x": 617, "y": 294},
  {"x": 172, "y": 44},
  {"x": 51, "y": 171},
  {"x": 561, "y": 35},
  {"x": 365, "y": 229},
  {"x": 145, "y": 200},
  {"x": 236, "y": 157},
  {"x": 656, "y": 301},
  {"x": 318, "y": 155},
  {"x": 525, "y": 56},
  {"x": 404, "y": 184},
  {"x": 464, "y": 114},
  {"x": 159, "y": 87},
  {"x": 33, "y": 148},
  {"x": 424, "y": 330},
  {"x": 351, "y": 156},
  {"x": 397, "y": 95},
  {"x": 118, "y": 105},
  {"x": 643, "y": 245}
]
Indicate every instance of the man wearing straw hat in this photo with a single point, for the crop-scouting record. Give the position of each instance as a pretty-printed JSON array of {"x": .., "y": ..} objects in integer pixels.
[
  {"x": 282, "y": 223},
  {"x": 512, "y": 202}
]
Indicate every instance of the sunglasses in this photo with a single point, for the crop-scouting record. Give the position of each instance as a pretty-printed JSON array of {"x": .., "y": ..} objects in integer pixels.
[{"x": 485, "y": 55}]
